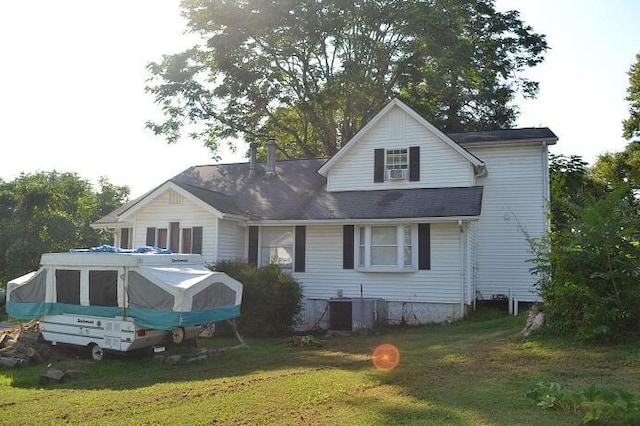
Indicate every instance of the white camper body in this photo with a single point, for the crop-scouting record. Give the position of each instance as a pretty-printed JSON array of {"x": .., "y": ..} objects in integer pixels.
[
  {"x": 98, "y": 334},
  {"x": 122, "y": 301}
]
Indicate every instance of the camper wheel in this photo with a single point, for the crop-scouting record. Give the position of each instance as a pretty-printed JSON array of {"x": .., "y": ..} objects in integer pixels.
[
  {"x": 177, "y": 335},
  {"x": 96, "y": 352}
]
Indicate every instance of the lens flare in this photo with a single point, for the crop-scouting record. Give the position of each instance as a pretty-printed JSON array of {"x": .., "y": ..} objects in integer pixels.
[{"x": 386, "y": 357}]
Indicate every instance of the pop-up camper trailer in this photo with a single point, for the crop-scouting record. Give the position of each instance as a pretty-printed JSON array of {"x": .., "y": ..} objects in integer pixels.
[{"x": 122, "y": 301}]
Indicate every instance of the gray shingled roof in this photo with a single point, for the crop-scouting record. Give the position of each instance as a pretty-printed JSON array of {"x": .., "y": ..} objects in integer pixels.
[
  {"x": 527, "y": 134},
  {"x": 298, "y": 191},
  {"x": 391, "y": 204}
]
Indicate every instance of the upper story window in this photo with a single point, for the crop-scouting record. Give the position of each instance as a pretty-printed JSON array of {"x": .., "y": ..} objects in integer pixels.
[
  {"x": 396, "y": 159},
  {"x": 277, "y": 246},
  {"x": 396, "y": 164}
]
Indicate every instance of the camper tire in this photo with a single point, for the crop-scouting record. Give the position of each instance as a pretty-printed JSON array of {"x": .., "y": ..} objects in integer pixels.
[
  {"x": 177, "y": 335},
  {"x": 96, "y": 352}
]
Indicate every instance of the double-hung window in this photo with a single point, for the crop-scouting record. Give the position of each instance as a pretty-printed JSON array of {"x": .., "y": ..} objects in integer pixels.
[
  {"x": 397, "y": 164},
  {"x": 390, "y": 246},
  {"x": 277, "y": 246},
  {"x": 397, "y": 159}
]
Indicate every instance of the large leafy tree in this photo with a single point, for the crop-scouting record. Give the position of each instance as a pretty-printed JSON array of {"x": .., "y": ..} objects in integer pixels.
[
  {"x": 623, "y": 168},
  {"x": 631, "y": 126},
  {"x": 467, "y": 63},
  {"x": 571, "y": 182},
  {"x": 50, "y": 212},
  {"x": 589, "y": 265},
  {"x": 312, "y": 73},
  {"x": 620, "y": 168}
]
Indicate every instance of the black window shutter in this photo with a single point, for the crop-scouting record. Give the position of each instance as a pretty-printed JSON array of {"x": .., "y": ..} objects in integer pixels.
[
  {"x": 174, "y": 236},
  {"x": 378, "y": 165},
  {"x": 124, "y": 238},
  {"x": 252, "y": 256},
  {"x": 414, "y": 163},
  {"x": 197, "y": 240},
  {"x": 424, "y": 246},
  {"x": 301, "y": 236},
  {"x": 347, "y": 246},
  {"x": 151, "y": 237}
]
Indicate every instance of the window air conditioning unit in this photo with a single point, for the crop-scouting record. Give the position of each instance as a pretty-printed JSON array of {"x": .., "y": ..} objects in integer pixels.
[{"x": 397, "y": 174}]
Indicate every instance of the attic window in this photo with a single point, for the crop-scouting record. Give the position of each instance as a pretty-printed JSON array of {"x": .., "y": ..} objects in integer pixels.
[
  {"x": 397, "y": 159},
  {"x": 396, "y": 164}
]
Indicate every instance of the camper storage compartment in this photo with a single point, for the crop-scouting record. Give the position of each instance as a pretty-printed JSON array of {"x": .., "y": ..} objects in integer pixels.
[{"x": 356, "y": 314}]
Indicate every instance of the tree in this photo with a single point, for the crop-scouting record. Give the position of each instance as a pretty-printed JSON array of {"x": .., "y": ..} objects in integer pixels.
[
  {"x": 588, "y": 271},
  {"x": 466, "y": 65},
  {"x": 620, "y": 168},
  {"x": 314, "y": 73},
  {"x": 631, "y": 126},
  {"x": 623, "y": 168},
  {"x": 50, "y": 212},
  {"x": 570, "y": 181}
]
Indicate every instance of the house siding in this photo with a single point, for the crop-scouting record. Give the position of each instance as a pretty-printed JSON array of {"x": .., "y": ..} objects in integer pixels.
[
  {"x": 325, "y": 279},
  {"x": 159, "y": 212},
  {"x": 231, "y": 240},
  {"x": 513, "y": 207},
  {"x": 468, "y": 260},
  {"x": 440, "y": 165}
]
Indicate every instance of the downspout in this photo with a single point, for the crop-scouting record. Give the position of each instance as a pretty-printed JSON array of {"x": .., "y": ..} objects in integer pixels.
[
  {"x": 461, "y": 227},
  {"x": 546, "y": 189}
]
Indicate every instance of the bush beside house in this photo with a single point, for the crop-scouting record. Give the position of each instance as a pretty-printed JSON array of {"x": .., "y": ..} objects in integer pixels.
[{"x": 271, "y": 297}]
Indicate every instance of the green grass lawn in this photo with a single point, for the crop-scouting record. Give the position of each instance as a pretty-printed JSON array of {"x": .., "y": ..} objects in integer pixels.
[{"x": 476, "y": 372}]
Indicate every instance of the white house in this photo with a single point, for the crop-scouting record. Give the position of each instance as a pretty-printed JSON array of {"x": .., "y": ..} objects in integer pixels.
[{"x": 404, "y": 222}]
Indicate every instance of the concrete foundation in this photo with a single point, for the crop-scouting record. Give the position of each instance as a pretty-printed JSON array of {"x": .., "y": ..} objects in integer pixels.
[{"x": 315, "y": 314}]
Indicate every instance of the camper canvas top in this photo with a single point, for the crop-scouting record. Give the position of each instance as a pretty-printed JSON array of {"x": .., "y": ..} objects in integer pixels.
[
  {"x": 159, "y": 291},
  {"x": 81, "y": 258}
]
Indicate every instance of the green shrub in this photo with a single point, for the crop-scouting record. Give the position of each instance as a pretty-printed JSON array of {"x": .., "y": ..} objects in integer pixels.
[
  {"x": 588, "y": 272},
  {"x": 270, "y": 300},
  {"x": 595, "y": 404}
]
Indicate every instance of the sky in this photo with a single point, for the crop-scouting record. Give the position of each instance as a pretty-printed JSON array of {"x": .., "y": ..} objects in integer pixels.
[{"x": 72, "y": 78}]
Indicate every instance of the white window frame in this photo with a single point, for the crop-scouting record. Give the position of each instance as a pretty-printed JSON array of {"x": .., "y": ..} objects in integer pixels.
[
  {"x": 129, "y": 242},
  {"x": 364, "y": 248},
  {"x": 396, "y": 156},
  {"x": 263, "y": 260}
]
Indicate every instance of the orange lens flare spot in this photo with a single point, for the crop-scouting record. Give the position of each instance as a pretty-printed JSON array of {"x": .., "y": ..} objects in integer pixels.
[{"x": 386, "y": 357}]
